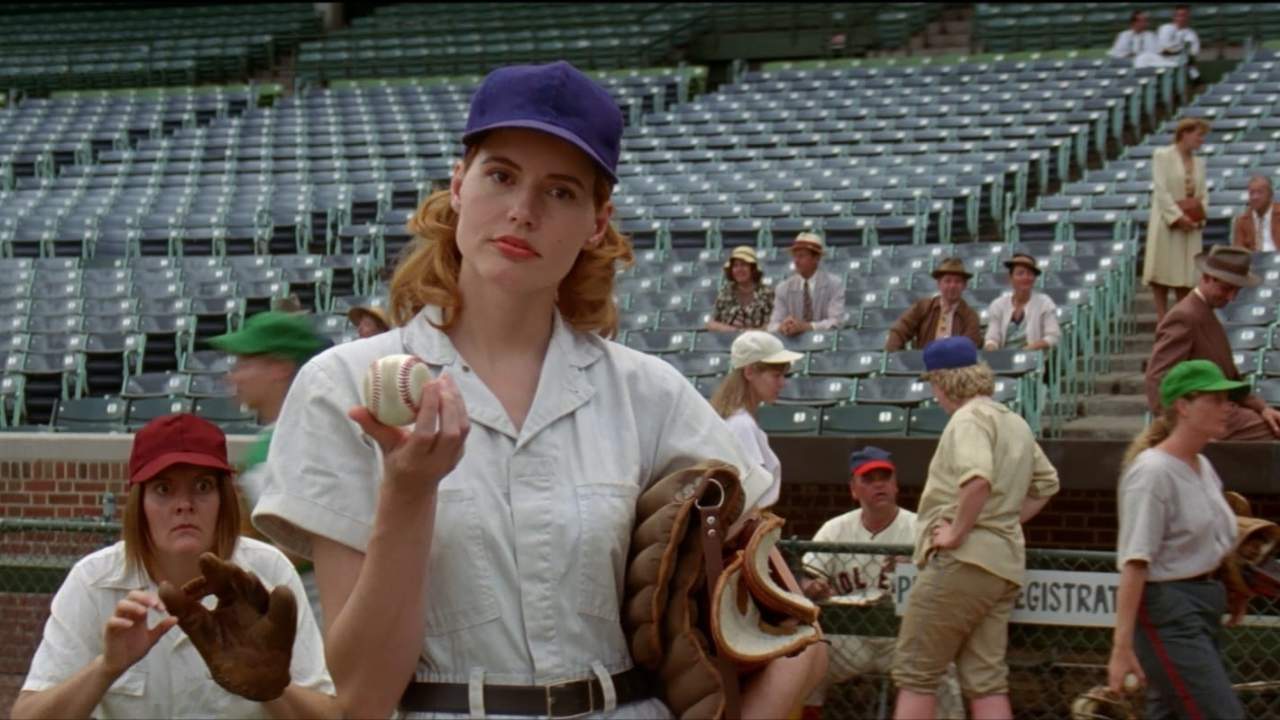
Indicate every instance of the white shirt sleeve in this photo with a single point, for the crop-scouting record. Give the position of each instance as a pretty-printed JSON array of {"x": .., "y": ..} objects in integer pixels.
[
  {"x": 72, "y": 635},
  {"x": 1050, "y": 330},
  {"x": 835, "y": 309},
  {"x": 1123, "y": 46},
  {"x": 744, "y": 430},
  {"x": 997, "y": 321},
  {"x": 1142, "y": 511},
  {"x": 779, "y": 307},
  {"x": 1192, "y": 40},
  {"x": 320, "y": 466}
]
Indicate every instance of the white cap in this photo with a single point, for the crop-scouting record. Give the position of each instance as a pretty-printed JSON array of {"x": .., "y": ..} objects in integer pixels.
[{"x": 757, "y": 346}]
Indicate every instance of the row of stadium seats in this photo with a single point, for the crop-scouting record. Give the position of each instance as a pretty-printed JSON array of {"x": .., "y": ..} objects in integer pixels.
[{"x": 147, "y": 46}]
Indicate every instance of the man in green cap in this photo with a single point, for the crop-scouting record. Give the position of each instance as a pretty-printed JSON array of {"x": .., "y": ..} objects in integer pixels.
[{"x": 270, "y": 348}]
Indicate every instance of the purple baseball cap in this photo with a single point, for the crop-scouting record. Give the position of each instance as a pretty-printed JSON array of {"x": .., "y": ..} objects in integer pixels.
[
  {"x": 555, "y": 98},
  {"x": 950, "y": 353}
]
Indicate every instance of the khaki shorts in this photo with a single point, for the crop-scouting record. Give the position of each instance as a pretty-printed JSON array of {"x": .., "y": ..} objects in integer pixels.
[{"x": 956, "y": 612}]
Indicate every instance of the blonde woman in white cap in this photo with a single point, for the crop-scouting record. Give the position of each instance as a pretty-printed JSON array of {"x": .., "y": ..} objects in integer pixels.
[
  {"x": 759, "y": 366},
  {"x": 744, "y": 301}
]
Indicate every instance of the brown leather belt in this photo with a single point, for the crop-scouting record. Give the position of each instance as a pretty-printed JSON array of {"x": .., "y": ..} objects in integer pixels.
[{"x": 561, "y": 700}]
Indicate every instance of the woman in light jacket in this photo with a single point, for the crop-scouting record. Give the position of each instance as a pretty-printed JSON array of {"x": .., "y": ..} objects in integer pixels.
[
  {"x": 1023, "y": 319},
  {"x": 1175, "y": 225}
]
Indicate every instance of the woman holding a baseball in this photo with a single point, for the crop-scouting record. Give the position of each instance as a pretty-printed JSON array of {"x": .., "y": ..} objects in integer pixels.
[
  {"x": 1175, "y": 530},
  {"x": 473, "y": 562}
]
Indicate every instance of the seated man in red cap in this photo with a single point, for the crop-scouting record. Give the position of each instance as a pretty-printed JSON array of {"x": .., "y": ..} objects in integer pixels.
[
  {"x": 943, "y": 315},
  {"x": 1192, "y": 331},
  {"x": 865, "y": 579}
]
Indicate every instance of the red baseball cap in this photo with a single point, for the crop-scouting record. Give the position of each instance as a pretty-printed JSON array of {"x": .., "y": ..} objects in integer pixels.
[
  {"x": 174, "y": 439},
  {"x": 870, "y": 458}
]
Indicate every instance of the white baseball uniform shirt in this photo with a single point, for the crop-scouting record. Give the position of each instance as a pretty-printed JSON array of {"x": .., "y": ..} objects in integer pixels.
[
  {"x": 172, "y": 680},
  {"x": 859, "y": 575},
  {"x": 533, "y": 526}
]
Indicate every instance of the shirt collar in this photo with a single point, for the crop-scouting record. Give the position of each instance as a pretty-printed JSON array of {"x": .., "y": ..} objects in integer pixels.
[
  {"x": 562, "y": 386},
  {"x": 420, "y": 337},
  {"x": 119, "y": 576}
]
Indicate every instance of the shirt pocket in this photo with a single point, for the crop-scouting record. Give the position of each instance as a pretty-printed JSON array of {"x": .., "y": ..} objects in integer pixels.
[
  {"x": 127, "y": 696},
  {"x": 606, "y": 513},
  {"x": 460, "y": 574}
]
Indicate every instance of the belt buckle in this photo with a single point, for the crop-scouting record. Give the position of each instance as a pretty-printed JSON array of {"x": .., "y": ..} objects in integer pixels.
[{"x": 591, "y": 700}]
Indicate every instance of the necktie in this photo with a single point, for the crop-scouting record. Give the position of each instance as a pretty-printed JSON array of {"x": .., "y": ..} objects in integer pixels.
[{"x": 808, "y": 303}]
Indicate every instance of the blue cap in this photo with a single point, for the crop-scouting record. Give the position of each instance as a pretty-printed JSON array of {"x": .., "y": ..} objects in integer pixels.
[
  {"x": 555, "y": 98},
  {"x": 949, "y": 353},
  {"x": 870, "y": 458}
]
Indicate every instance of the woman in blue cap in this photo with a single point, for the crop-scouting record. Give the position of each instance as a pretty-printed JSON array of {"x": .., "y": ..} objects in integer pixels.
[
  {"x": 1175, "y": 530},
  {"x": 987, "y": 477},
  {"x": 474, "y": 561}
]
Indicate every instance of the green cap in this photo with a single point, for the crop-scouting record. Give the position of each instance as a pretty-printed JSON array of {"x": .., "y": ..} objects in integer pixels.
[
  {"x": 1191, "y": 376},
  {"x": 287, "y": 335}
]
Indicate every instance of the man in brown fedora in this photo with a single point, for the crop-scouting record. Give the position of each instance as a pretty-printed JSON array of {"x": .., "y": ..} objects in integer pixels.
[
  {"x": 1191, "y": 331},
  {"x": 943, "y": 315}
]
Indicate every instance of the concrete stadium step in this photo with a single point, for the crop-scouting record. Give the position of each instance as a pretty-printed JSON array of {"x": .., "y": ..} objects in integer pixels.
[
  {"x": 1103, "y": 428},
  {"x": 1120, "y": 383},
  {"x": 1139, "y": 342},
  {"x": 1113, "y": 405},
  {"x": 1130, "y": 362}
]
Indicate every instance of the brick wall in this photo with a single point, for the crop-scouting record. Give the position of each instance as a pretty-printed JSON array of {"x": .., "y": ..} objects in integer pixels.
[
  {"x": 1079, "y": 518},
  {"x": 58, "y": 489}
]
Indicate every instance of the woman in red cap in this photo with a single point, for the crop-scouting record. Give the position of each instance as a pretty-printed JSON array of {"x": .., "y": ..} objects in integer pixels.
[
  {"x": 101, "y": 656},
  {"x": 490, "y": 581}
]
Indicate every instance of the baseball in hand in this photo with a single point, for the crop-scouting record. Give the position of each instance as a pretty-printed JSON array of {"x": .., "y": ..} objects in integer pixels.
[
  {"x": 1130, "y": 683},
  {"x": 393, "y": 387}
]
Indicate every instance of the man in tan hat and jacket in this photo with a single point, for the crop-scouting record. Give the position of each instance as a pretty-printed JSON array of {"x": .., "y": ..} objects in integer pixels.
[
  {"x": 811, "y": 299},
  {"x": 943, "y": 315},
  {"x": 1191, "y": 331}
]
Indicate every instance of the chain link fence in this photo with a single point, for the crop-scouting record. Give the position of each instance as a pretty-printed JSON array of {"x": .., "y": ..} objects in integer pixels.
[
  {"x": 36, "y": 555},
  {"x": 1059, "y": 637}
]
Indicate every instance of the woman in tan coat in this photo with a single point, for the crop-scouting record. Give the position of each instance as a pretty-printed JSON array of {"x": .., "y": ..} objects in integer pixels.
[{"x": 1179, "y": 202}]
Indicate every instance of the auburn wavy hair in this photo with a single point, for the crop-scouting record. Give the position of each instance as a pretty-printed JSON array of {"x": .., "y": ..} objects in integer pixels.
[{"x": 427, "y": 273}]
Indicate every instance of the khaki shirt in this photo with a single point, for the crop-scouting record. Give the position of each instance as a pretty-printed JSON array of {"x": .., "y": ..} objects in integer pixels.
[
  {"x": 172, "y": 680},
  {"x": 533, "y": 527},
  {"x": 988, "y": 440},
  {"x": 1173, "y": 518}
]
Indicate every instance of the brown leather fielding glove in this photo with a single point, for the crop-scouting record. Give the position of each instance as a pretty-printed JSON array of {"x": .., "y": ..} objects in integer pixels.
[
  {"x": 1252, "y": 567},
  {"x": 247, "y": 640},
  {"x": 1099, "y": 703}
]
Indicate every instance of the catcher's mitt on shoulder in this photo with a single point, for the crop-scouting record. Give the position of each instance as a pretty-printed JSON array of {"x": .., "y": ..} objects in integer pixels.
[
  {"x": 1099, "y": 703},
  {"x": 697, "y": 626},
  {"x": 247, "y": 640},
  {"x": 1251, "y": 568}
]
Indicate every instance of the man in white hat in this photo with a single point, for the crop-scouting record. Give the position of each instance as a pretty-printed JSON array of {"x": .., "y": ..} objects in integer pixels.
[
  {"x": 1191, "y": 331},
  {"x": 811, "y": 299}
]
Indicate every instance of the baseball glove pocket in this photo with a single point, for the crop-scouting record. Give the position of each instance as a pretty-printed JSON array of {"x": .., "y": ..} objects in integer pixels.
[
  {"x": 606, "y": 512},
  {"x": 460, "y": 580}
]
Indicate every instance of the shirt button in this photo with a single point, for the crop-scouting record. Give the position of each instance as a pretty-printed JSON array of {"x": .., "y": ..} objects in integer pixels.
[{"x": 466, "y": 368}]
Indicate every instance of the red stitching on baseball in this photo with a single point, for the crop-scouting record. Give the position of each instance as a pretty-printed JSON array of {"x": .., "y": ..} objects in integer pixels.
[{"x": 404, "y": 373}]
